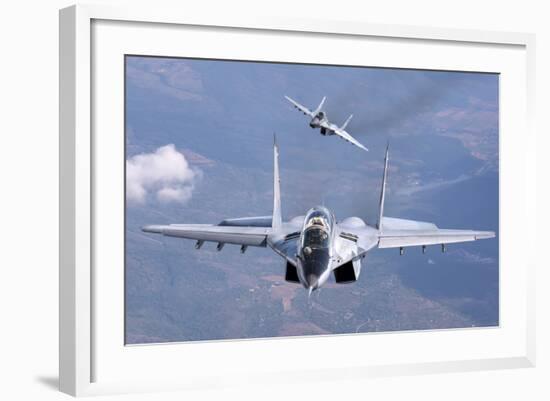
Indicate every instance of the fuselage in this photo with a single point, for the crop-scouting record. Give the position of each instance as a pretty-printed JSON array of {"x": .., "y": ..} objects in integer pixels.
[
  {"x": 316, "y": 245},
  {"x": 315, "y": 249},
  {"x": 317, "y": 120}
]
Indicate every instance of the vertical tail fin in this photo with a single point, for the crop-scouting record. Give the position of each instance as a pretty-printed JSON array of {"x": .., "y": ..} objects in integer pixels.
[
  {"x": 343, "y": 127},
  {"x": 383, "y": 190},
  {"x": 277, "y": 219},
  {"x": 318, "y": 109}
]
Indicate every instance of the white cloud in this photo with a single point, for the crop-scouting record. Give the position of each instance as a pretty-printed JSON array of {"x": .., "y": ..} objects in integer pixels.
[
  {"x": 165, "y": 173},
  {"x": 170, "y": 194}
]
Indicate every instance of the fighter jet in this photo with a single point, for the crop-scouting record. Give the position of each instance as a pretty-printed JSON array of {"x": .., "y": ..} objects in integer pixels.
[
  {"x": 316, "y": 245},
  {"x": 319, "y": 120}
]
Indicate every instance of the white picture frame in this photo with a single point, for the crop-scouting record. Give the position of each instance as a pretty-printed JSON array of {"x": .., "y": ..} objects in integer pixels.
[{"x": 82, "y": 343}]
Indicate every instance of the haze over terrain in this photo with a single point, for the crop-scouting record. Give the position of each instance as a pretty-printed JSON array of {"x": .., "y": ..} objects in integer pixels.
[{"x": 199, "y": 137}]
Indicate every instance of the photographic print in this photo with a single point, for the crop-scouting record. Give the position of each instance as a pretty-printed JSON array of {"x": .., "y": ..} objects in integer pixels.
[{"x": 268, "y": 199}]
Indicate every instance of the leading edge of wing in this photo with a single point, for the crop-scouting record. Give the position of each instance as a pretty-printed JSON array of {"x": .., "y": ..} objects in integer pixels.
[
  {"x": 344, "y": 135},
  {"x": 300, "y": 107},
  {"x": 402, "y": 238},
  {"x": 253, "y": 236}
]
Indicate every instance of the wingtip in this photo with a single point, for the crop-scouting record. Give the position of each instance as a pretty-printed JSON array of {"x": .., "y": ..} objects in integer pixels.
[
  {"x": 156, "y": 229},
  {"x": 485, "y": 235}
]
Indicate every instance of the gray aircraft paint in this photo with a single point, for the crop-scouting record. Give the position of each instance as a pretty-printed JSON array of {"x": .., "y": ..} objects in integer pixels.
[
  {"x": 320, "y": 120},
  {"x": 348, "y": 240}
]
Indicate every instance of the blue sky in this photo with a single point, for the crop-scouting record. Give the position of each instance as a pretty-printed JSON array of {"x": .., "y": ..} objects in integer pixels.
[{"x": 199, "y": 136}]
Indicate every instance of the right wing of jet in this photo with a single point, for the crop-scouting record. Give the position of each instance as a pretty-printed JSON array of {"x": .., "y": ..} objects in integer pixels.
[
  {"x": 303, "y": 109},
  {"x": 398, "y": 233},
  {"x": 223, "y": 234},
  {"x": 245, "y": 231}
]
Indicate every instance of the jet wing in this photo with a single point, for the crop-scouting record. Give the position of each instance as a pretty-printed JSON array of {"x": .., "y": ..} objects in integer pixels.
[
  {"x": 303, "y": 109},
  {"x": 226, "y": 234},
  {"x": 396, "y": 233},
  {"x": 344, "y": 135}
]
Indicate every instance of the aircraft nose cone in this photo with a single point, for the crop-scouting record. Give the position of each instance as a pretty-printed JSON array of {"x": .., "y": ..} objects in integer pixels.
[{"x": 311, "y": 281}]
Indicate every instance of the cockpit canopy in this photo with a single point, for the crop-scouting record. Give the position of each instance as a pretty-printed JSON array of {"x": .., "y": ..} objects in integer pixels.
[
  {"x": 318, "y": 216},
  {"x": 315, "y": 237},
  {"x": 317, "y": 228},
  {"x": 320, "y": 115}
]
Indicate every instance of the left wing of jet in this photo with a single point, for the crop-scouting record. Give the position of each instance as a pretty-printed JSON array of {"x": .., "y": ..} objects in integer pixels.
[
  {"x": 300, "y": 107},
  {"x": 397, "y": 233},
  {"x": 344, "y": 135},
  {"x": 401, "y": 233}
]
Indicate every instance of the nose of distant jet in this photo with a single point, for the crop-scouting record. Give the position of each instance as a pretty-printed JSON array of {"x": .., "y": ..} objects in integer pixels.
[{"x": 312, "y": 281}]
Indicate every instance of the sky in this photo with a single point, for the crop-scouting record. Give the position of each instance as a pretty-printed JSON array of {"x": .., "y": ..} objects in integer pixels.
[{"x": 199, "y": 137}]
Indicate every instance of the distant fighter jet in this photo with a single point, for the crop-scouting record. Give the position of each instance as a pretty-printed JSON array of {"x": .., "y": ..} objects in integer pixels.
[
  {"x": 319, "y": 120},
  {"x": 316, "y": 245}
]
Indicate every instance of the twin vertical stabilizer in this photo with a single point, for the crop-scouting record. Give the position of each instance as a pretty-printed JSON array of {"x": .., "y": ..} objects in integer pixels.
[
  {"x": 277, "y": 220},
  {"x": 383, "y": 190},
  {"x": 318, "y": 109},
  {"x": 343, "y": 127}
]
